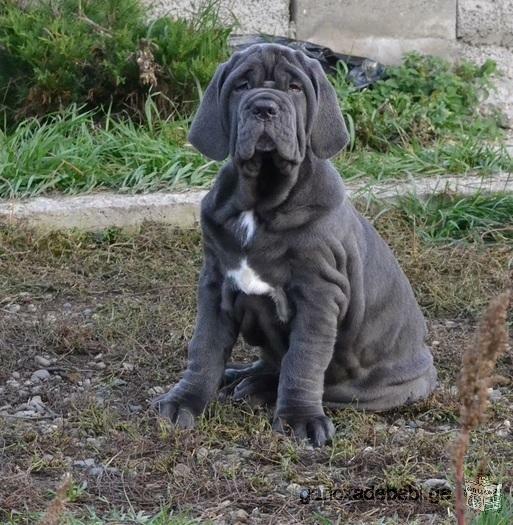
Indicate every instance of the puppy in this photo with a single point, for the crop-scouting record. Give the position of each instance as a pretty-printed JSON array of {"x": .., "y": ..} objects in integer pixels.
[{"x": 289, "y": 263}]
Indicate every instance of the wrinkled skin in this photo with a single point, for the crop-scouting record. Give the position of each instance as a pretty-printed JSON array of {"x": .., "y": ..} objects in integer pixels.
[{"x": 290, "y": 264}]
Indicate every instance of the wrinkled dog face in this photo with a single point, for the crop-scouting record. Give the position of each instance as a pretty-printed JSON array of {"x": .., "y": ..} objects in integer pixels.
[
  {"x": 269, "y": 99},
  {"x": 268, "y": 102}
]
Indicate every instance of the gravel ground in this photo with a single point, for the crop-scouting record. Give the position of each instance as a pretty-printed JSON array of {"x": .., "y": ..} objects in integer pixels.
[{"x": 93, "y": 326}]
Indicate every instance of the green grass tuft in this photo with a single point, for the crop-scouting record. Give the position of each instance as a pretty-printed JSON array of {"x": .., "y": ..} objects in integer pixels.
[{"x": 451, "y": 217}]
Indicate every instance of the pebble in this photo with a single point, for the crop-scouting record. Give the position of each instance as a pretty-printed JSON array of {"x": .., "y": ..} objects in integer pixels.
[
  {"x": 183, "y": 470},
  {"x": 436, "y": 484},
  {"x": 84, "y": 463},
  {"x": 31, "y": 308},
  {"x": 42, "y": 361},
  {"x": 35, "y": 403},
  {"x": 156, "y": 390},
  {"x": 12, "y": 383},
  {"x": 135, "y": 408},
  {"x": 450, "y": 324},
  {"x": 128, "y": 367},
  {"x": 25, "y": 413},
  {"x": 100, "y": 365},
  {"x": 495, "y": 395},
  {"x": 240, "y": 515},
  {"x": 435, "y": 343},
  {"x": 294, "y": 489},
  {"x": 202, "y": 453},
  {"x": 40, "y": 375},
  {"x": 16, "y": 375},
  {"x": 13, "y": 308}
]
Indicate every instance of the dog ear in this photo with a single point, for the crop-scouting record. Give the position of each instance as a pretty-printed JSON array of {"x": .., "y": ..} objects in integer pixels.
[
  {"x": 329, "y": 132},
  {"x": 207, "y": 133}
]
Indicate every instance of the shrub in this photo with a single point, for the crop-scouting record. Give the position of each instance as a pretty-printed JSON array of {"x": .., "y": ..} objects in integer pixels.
[
  {"x": 422, "y": 100},
  {"x": 59, "y": 52}
]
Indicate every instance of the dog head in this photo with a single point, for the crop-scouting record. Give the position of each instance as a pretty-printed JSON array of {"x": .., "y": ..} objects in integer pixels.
[{"x": 269, "y": 98}]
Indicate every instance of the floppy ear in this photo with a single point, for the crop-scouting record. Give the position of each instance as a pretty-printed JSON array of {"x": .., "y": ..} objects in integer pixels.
[
  {"x": 329, "y": 131},
  {"x": 207, "y": 133}
]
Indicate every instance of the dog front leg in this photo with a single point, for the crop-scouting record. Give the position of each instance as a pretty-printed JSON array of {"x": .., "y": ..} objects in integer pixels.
[
  {"x": 211, "y": 345},
  {"x": 312, "y": 339}
]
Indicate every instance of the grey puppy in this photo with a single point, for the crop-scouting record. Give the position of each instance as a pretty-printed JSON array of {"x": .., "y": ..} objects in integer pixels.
[{"x": 289, "y": 262}]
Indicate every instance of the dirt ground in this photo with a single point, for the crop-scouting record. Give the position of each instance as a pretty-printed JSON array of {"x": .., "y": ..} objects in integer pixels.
[{"x": 93, "y": 326}]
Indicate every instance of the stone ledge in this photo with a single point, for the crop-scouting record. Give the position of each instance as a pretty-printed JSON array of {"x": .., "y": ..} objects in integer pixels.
[{"x": 108, "y": 210}]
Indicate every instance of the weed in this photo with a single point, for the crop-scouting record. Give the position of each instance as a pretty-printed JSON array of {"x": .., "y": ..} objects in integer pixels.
[
  {"x": 449, "y": 217},
  {"x": 69, "y": 152}
]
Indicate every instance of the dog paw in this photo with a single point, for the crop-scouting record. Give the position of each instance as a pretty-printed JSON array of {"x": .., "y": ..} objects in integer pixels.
[
  {"x": 317, "y": 430},
  {"x": 178, "y": 411}
]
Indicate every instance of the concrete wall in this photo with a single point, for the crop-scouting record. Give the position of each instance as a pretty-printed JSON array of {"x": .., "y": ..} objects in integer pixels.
[
  {"x": 249, "y": 16},
  {"x": 380, "y": 29}
]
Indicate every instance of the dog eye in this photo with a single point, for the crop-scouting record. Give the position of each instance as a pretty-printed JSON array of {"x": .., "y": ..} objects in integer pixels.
[
  {"x": 294, "y": 86},
  {"x": 242, "y": 86}
]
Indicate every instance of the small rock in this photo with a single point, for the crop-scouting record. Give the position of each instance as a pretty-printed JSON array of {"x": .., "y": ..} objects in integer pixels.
[
  {"x": 450, "y": 324},
  {"x": 128, "y": 367},
  {"x": 40, "y": 375},
  {"x": 135, "y": 408},
  {"x": 294, "y": 489},
  {"x": 100, "y": 365},
  {"x": 202, "y": 453},
  {"x": 42, "y": 361},
  {"x": 47, "y": 458},
  {"x": 87, "y": 312},
  {"x": 84, "y": 463},
  {"x": 435, "y": 343},
  {"x": 16, "y": 375},
  {"x": 67, "y": 306},
  {"x": 182, "y": 470},
  {"x": 366, "y": 450},
  {"x": 12, "y": 383},
  {"x": 13, "y": 308},
  {"x": 156, "y": 390},
  {"x": 436, "y": 484},
  {"x": 494, "y": 394},
  {"x": 31, "y": 308},
  {"x": 25, "y": 413},
  {"x": 240, "y": 515},
  {"x": 35, "y": 403},
  {"x": 96, "y": 471}
]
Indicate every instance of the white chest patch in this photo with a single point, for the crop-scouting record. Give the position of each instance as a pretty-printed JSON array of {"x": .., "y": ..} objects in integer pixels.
[
  {"x": 247, "y": 226},
  {"x": 248, "y": 281}
]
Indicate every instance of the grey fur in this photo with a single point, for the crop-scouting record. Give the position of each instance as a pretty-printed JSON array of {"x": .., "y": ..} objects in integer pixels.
[{"x": 334, "y": 316}]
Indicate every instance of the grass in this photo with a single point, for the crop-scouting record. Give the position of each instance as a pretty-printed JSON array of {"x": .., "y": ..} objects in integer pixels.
[
  {"x": 423, "y": 120},
  {"x": 129, "y": 301},
  {"x": 452, "y": 217},
  {"x": 71, "y": 153}
]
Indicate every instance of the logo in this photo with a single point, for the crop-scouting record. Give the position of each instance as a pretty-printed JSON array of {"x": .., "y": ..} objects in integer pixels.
[{"x": 482, "y": 495}]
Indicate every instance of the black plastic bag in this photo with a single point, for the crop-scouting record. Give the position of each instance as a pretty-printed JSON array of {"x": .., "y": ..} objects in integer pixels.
[{"x": 362, "y": 72}]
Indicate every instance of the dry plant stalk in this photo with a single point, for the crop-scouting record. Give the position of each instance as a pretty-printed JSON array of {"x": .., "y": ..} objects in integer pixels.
[
  {"x": 56, "y": 508},
  {"x": 147, "y": 67},
  {"x": 478, "y": 364}
]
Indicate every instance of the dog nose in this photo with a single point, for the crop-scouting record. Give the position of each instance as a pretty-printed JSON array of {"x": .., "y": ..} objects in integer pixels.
[{"x": 265, "y": 109}]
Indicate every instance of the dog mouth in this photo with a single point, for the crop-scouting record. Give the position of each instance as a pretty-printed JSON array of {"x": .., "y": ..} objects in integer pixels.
[{"x": 265, "y": 143}]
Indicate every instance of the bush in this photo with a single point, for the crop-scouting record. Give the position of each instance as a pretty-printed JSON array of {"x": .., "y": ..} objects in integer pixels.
[
  {"x": 59, "y": 52},
  {"x": 420, "y": 101}
]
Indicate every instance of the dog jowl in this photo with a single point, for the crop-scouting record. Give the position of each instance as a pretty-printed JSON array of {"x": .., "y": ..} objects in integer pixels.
[{"x": 289, "y": 263}]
